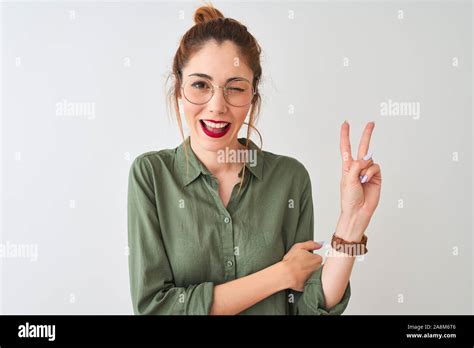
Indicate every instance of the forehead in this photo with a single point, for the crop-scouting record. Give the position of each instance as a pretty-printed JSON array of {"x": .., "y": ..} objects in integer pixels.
[{"x": 218, "y": 61}]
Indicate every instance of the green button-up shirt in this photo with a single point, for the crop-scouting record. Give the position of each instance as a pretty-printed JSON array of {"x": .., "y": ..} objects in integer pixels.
[{"x": 183, "y": 241}]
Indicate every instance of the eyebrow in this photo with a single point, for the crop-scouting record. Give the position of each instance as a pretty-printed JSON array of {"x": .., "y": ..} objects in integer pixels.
[{"x": 210, "y": 77}]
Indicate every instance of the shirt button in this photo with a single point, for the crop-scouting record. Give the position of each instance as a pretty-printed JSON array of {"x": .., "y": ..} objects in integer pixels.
[
  {"x": 230, "y": 263},
  {"x": 226, "y": 220}
]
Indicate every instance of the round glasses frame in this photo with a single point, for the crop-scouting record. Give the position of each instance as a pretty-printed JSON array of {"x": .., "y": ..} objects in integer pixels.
[{"x": 224, "y": 90}]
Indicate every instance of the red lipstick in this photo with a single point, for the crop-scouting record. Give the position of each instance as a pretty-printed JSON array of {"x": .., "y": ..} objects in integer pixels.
[{"x": 214, "y": 132}]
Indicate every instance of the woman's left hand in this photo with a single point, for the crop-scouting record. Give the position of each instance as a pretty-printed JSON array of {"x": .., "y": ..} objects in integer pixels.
[{"x": 360, "y": 186}]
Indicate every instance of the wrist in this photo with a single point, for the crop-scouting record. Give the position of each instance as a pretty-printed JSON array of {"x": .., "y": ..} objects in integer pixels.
[
  {"x": 283, "y": 275},
  {"x": 351, "y": 227}
]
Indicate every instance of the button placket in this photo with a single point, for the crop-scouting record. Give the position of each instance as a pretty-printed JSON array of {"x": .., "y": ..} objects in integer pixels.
[
  {"x": 227, "y": 231},
  {"x": 229, "y": 248}
]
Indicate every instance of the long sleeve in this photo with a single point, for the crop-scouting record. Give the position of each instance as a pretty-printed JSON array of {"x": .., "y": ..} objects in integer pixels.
[
  {"x": 151, "y": 281},
  {"x": 311, "y": 301}
]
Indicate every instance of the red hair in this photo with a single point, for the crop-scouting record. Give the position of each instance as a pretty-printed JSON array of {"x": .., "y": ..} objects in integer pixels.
[{"x": 210, "y": 24}]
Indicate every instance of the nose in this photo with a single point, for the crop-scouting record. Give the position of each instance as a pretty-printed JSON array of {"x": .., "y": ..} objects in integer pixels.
[{"x": 218, "y": 104}]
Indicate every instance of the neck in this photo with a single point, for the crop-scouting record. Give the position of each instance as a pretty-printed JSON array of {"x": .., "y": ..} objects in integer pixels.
[{"x": 211, "y": 158}]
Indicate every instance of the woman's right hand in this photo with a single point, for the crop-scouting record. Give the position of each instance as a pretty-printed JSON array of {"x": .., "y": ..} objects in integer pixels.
[{"x": 300, "y": 263}]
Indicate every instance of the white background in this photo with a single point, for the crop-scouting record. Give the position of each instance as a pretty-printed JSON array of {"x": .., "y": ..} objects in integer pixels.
[{"x": 64, "y": 178}]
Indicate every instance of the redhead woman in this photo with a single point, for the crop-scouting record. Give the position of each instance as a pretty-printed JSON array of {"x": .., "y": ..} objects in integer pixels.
[{"x": 219, "y": 226}]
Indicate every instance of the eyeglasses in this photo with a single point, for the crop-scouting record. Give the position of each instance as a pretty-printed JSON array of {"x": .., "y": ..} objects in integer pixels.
[{"x": 199, "y": 90}]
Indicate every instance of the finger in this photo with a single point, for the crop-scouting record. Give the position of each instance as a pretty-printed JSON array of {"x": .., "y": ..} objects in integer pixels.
[
  {"x": 309, "y": 245},
  {"x": 317, "y": 260},
  {"x": 345, "y": 147},
  {"x": 363, "y": 173},
  {"x": 356, "y": 168},
  {"x": 372, "y": 171},
  {"x": 365, "y": 140}
]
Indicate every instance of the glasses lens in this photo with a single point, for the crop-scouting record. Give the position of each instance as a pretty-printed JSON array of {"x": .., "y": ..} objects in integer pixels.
[
  {"x": 239, "y": 92},
  {"x": 197, "y": 90}
]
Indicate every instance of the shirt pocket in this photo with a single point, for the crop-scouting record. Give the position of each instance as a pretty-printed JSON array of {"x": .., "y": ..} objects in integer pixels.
[
  {"x": 261, "y": 244},
  {"x": 252, "y": 237},
  {"x": 189, "y": 236}
]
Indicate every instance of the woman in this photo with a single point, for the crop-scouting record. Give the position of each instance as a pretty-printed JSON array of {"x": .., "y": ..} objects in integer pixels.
[{"x": 212, "y": 233}]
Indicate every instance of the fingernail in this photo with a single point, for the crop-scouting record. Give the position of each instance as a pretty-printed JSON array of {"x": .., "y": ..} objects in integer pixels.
[
  {"x": 321, "y": 243},
  {"x": 368, "y": 156},
  {"x": 364, "y": 179}
]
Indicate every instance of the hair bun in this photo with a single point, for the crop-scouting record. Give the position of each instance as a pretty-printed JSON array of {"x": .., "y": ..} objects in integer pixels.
[{"x": 206, "y": 13}]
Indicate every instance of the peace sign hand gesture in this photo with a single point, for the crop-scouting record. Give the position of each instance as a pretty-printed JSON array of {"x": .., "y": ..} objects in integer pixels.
[{"x": 360, "y": 186}]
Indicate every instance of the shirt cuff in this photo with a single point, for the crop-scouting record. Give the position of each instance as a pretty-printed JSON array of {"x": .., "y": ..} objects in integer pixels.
[
  {"x": 312, "y": 301},
  {"x": 201, "y": 298}
]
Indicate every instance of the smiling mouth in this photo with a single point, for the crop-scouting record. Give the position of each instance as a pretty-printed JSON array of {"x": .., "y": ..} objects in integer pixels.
[{"x": 214, "y": 129}]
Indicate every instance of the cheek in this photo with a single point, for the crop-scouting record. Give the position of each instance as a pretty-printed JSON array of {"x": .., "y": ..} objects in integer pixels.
[
  {"x": 241, "y": 115},
  {"x": 191, "y": 113}
]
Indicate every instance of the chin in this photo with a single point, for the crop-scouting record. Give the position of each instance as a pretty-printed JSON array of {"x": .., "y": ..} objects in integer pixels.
[{"x": 210, "y": 144}]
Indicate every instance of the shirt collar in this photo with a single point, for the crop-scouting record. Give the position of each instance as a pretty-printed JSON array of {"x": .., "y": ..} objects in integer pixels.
[{"x": 195, "y": 167}]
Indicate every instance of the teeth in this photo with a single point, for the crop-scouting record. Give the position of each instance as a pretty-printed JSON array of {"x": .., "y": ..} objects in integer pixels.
[{"x": 215, "y": 125}]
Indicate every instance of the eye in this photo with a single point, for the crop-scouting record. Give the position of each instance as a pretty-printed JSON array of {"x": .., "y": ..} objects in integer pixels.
[
  {"x": 238, "y": 86},
  {"x": 200, "y": 84},
  {"x": 236, "y": 89}
]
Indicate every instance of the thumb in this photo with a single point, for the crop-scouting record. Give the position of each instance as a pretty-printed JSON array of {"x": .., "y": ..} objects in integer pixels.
[
  {"x": 358, "y": 166},
  {"x": 311, "y": 245}
]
